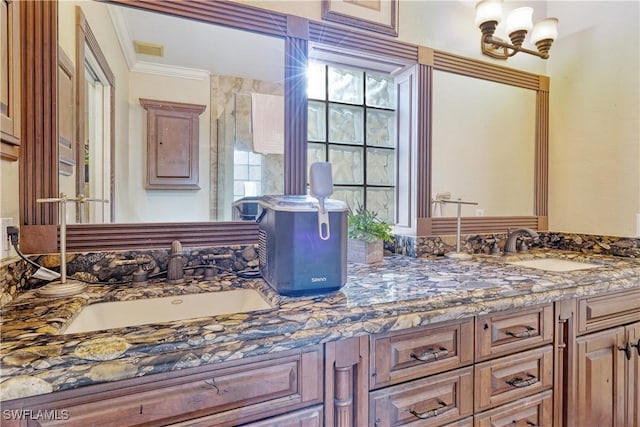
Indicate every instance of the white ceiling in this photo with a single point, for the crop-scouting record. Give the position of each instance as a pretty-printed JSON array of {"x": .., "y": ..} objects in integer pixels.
[{"x": 196, "y": 48}]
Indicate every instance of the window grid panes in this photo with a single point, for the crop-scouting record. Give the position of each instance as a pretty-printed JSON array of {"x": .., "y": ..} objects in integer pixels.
[{"x": 352, "y": 124}]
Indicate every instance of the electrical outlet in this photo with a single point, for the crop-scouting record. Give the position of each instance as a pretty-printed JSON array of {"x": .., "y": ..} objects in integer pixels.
[
  {"x": 479, "y": 212},
  {"x": 6, "y": 244}
]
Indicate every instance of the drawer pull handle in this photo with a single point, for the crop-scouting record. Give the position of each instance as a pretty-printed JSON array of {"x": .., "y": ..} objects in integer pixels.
[
  {"x": 529, "y": 423},
  {"x": 627, "y": 350},
  {"x": 529, "y": 332},
  {"x": 518, "y": 382},
  {"x": 637, "y": 346},
  {"x": 432, "y": 412},
  {"x": 431, "y": 354}
]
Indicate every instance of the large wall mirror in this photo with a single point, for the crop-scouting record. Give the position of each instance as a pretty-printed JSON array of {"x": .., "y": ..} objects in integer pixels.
[
  {"x": 238, "y": 76},
  {"x": 483, "y": 146},
  {"x": 204, "y": 217}
]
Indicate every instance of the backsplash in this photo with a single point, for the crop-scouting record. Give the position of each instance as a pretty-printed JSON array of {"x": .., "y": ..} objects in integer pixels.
[{"x": 104, "y": 267}]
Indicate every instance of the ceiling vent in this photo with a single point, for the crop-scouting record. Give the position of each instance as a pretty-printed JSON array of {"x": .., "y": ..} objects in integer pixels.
[{"x": 145, "y": 48}]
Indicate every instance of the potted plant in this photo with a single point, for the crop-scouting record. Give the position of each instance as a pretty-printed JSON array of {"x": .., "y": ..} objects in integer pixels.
[{"x": 366, "y": 234}]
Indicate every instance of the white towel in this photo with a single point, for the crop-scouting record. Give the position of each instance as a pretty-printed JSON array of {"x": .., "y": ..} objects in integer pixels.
[{"x": 267, "y": 122}]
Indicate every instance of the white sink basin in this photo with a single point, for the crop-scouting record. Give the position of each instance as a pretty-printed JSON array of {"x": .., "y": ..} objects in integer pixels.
[
  {"x": 555, "y": 264},
  {"x": 118, "y": 314}
]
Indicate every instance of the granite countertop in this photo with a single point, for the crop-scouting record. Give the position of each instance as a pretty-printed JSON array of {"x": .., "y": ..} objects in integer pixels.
[{"x": 401, "y": 292}]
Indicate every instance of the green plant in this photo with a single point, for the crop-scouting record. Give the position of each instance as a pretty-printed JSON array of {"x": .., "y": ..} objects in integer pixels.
[{"x": 365, "y": 225}]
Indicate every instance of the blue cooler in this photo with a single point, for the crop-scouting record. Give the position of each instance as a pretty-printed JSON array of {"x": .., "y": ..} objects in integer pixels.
[{"x": 298, "y": 255}]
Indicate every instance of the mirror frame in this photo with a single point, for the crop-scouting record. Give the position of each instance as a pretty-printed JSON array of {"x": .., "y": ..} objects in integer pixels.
[{"x": 39, "y": 156}]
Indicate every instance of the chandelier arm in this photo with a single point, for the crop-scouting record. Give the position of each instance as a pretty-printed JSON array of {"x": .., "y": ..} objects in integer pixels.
[{"x": 497, "y": 42}]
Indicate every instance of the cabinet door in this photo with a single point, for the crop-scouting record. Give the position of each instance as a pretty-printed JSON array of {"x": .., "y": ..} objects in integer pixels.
[
  {"x": 9, "y": 79},
  {"x": 633, "y": 377},
  {"x": 601, "y": 379}
]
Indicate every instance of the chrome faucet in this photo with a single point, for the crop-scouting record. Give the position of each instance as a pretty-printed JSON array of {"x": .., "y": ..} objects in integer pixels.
[{"x": 512, "y": 237}]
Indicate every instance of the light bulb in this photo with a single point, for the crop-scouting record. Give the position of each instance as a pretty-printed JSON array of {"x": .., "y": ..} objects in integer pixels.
[
  {"x": 488, "y": 10},
  {"x": 545, "y": 29},
  {"x": 520, "y": 19}
]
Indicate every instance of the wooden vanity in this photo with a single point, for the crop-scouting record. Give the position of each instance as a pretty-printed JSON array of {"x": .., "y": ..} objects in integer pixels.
[{"x": 565, "y": 354}]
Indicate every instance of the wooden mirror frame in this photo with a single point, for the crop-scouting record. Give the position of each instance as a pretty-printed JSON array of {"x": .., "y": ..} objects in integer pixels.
[{"x": 39, "y": 155}]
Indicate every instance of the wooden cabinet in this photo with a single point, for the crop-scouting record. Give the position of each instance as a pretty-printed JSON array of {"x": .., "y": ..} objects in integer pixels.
[
  {"x": 600, "y": 359},
  {"x": 225, "y": 394},
  {"x": 606, "y": 377},
  {"x": 172, "y": 144},
  {"x": 9, "y": 79}
]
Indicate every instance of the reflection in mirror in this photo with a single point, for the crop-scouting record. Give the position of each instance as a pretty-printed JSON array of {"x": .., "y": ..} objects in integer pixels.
[
  {"x": 483, "y": 146},
  {"x": 237, "y": 75}
]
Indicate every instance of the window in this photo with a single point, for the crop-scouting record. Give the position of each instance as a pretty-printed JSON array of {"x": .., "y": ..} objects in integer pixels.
[{"x": 352, "y": 124}]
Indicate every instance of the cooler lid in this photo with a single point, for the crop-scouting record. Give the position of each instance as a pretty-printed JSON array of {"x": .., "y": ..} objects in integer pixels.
[{"x": 300, "y": 203}]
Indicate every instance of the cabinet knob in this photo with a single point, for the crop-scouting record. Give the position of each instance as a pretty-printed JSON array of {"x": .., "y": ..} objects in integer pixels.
[
  {"x": 627, "y": 350},
  {"x": 637, "y": 346}
]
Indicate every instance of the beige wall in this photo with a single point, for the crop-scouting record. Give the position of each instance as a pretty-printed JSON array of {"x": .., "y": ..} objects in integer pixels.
[{"x": 595, "y": 119}]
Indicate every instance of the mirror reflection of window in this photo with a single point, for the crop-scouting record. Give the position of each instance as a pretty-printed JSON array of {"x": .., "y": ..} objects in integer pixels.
[{"x": 352, "y": 124}]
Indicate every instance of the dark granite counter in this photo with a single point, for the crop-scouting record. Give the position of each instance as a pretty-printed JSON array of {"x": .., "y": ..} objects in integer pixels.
[{"x": 36, "y": 357}]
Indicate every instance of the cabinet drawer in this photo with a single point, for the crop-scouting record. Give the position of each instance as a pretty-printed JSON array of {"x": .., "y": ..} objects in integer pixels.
[
  {"x": 600, "y": 312},
  {"x": 402, "y": 356},
  {"x": 530, "y": 411},
  {"x": 499, "y": 334},
  {"x": 238, "y": 393},
  {"x": 431, "y": 401},
  {"x": 512, "y": 377},
  {"x": 310, "y": 417}
]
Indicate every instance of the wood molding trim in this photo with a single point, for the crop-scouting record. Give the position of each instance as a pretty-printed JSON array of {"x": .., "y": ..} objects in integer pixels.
[
  {"x": 347, "y": 382},
  {"x": 89, "y": 237},
  {"x": 478, "y": 225},
  {"x": 348, "y": 38},
  {"x": 222, "y": 12},
  {"x": 295, "y": 113},
  {"x": 425, "y": 140},
  {"x": 445, "y": 61},
  {"x": 541, "y": 180},
  {"x": 39, "y": 115}
]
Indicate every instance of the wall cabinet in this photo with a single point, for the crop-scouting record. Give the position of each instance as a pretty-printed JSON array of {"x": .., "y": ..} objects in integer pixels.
[
  {"x": 9, "y": 78},
  {"x": 173, "y": 131}
]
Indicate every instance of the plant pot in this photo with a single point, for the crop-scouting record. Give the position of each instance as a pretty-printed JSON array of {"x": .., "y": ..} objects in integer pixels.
[{"x": 364, "y": 252}]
